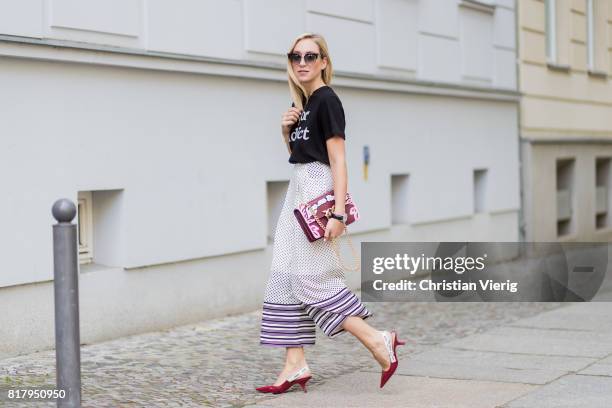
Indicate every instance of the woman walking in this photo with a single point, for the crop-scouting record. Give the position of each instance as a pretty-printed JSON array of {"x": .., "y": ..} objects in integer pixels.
[{"x": 306, "y": 285}]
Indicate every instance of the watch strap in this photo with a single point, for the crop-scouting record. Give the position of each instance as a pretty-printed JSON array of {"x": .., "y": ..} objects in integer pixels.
[{"x": 341, "y": 218}]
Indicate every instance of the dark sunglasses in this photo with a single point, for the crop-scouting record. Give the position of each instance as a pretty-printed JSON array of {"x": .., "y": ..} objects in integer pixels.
[{"x": 309, "y": 57}]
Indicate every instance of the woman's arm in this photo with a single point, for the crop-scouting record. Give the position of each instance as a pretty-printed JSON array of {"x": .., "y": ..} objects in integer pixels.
[
  {"x": 286, "y": 137},
  {"x": 337, "y": 162}
]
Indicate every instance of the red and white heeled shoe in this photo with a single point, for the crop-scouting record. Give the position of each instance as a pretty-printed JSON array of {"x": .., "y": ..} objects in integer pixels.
[
  {"x": 391, "y": 342},
  {"x": 292, "y": 379}
]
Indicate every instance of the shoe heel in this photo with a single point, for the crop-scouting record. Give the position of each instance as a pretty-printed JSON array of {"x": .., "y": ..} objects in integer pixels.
[{"x": 302, "y": 382}]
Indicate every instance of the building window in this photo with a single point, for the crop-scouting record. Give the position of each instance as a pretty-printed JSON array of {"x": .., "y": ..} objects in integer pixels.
[
  {"x": 399, "y": 199},
  {"x": 564, "y": 190},
  {"x": 551, "y": 31},
  {"x": 602, "y": 192},
  {"x": 590, "y": 35},
  {"x": 480, "y": 184},
  {"x": 275, "y": 197},
  {"x": 85, "y": 226}
]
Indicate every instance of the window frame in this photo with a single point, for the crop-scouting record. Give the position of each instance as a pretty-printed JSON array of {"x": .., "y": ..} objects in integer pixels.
[
  {"x": 590, "y": 23},
  {"x": 85, "y": 226},
  {"x": 551, "y": 31}
]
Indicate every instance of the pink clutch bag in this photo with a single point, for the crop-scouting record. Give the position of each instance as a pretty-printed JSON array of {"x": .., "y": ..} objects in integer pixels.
[{"x": 313, "y": 215}]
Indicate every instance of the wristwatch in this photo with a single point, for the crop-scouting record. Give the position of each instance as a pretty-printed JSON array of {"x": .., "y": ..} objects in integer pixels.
[{"x": 340, "y": 217}]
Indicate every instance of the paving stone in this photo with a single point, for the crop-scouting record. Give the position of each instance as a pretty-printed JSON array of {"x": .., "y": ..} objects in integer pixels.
[
  {"x": 594, "y": 316},
  {"x": 572, "y": 391},
  {"x": 479, "y": 358},
  {"x": 361, "y": 390},
  {"x": 201, "y": 365},
  {"x": 442, "y": 362},
  {"x": 503, "y": 374},
  {"x": 607, "y": 360},
  {"x": 539, "y": 341},
  {"x": 598, "y": 369}
]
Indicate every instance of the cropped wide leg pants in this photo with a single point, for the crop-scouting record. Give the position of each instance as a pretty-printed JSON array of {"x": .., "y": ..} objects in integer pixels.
[{"x": 306, "y": 286}]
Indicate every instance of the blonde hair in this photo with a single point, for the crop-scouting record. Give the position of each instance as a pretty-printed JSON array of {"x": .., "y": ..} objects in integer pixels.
[{"x": 298, "y": 93}]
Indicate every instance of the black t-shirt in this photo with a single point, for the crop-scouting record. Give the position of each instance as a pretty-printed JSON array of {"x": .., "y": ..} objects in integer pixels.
[{"x": 322, "y": 118}]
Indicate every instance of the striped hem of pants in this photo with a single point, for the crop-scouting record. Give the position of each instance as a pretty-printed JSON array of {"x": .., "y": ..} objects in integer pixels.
[{"x": 293, "y": 325}]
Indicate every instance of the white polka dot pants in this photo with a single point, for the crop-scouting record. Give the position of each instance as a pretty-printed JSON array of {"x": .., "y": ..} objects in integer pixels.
[{"x": 306, "y": 285}]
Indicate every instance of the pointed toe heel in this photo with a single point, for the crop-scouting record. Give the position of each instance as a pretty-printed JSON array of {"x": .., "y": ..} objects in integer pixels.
[
  {"x": 293, "y": 379},
  {"x": 391, "y": 343}
]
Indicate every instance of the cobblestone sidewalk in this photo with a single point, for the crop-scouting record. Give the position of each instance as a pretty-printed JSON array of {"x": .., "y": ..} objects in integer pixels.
[{"x": 219, "y": 363}]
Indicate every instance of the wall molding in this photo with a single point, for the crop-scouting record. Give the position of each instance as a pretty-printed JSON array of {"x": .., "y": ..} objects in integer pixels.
[
  {"x": 479, "y": 6},
  {"x": 585, "y": 140},
  {"x": 86, "y": 53}
]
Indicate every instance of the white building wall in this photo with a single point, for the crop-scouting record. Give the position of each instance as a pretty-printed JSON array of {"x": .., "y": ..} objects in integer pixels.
[
  {"x": 170, "y": 114},
  {"x": 443, "y": 40}
]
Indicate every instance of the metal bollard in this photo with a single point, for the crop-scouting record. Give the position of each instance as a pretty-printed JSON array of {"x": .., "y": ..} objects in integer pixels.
[{"x": 66, "y": 284}]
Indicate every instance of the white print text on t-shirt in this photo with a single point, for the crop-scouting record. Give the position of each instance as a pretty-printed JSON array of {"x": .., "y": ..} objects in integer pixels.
[{"x": 300, "y": 133}]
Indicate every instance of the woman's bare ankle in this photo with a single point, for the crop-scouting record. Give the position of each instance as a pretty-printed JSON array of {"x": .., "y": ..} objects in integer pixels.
[
  {"x": 295, "y": 365},
  {"x": 375, "y": 340}
]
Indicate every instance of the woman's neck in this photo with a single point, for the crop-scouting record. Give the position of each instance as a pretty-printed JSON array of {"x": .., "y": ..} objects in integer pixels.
[{"x": 310, "y": 88}]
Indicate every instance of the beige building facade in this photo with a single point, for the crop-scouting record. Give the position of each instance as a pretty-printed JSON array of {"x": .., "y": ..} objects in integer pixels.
[
  {"x": 565, "y": 71},
  {"x": 565, "y": 68}
]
